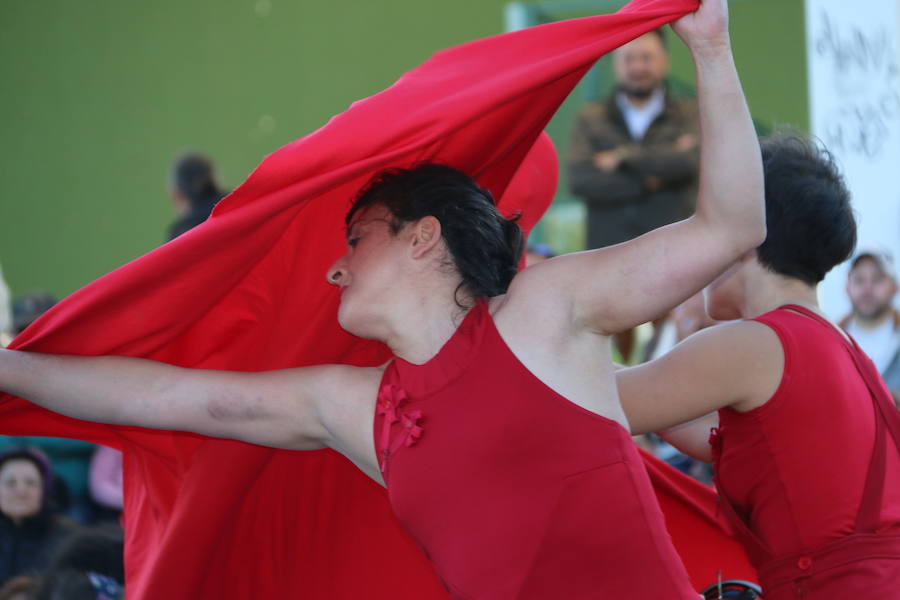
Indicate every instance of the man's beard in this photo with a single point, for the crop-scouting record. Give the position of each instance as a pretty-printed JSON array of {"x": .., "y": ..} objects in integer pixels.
[
  {"x": 637, "y": 93},
  {"x": 875, "y": 313}
]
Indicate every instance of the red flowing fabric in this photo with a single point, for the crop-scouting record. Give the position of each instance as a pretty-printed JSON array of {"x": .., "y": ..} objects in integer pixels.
[
  {"x": 697, "y": 528},
  {"x": 209, "y": 518}
]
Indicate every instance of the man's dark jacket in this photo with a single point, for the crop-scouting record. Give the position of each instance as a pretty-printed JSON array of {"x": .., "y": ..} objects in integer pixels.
[{"x": 654, "y": 185}]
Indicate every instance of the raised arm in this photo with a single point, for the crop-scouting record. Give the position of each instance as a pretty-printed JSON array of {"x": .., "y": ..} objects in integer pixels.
[
  {"x": 612, "y": 289},
  {"x": 301, "y": 409}
]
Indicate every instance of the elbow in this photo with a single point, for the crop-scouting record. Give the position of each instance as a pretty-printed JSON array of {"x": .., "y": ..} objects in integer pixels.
[
  {"x": 758, "y": 231},
  {"x": 753, "y": 235},
  {"x": 761, "y": 233}
]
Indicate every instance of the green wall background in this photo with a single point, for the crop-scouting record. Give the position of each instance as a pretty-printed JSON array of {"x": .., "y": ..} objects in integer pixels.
[{"x": 99, "y": 95}]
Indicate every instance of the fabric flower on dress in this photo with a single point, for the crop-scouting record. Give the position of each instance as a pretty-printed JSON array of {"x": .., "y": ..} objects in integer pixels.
[{"x": 391, "y": 398}]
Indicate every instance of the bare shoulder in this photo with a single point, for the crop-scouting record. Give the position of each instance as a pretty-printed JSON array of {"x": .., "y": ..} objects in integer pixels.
[
  {"x": 744, "y": 337},
  {"x": 737, "y": 364},
  {"x": 746, "y": 354},
  {"x": 729, "y": 345}
]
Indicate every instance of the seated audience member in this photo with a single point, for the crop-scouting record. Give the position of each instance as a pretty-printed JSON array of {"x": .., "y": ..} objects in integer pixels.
[
  {"x": 29, "y": 530},
  {"x": 194, "y": 190},
  {"x": 88, "y": 565},
  {"x": 874, "y": 322}
]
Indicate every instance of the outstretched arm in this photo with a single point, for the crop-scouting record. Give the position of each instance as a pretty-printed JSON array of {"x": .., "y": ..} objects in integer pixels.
[
  {"x": 612, "y": 289},
  {"x": 301, "y": 409}
]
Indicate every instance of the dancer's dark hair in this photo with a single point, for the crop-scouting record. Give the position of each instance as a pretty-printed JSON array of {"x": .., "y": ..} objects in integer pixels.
[
  {"x": 810, "y": 222},
  {"x": 485, "y": 247}
]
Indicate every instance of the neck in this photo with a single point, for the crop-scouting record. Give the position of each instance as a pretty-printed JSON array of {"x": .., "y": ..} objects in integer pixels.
[
  {"x": 771, "y": 291},
  {"x": 423, "y": 324}
]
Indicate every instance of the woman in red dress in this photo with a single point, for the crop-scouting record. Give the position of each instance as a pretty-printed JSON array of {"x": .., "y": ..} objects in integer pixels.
[
  {"x": 805, "y": 441},
  {"x": 514, "y": 475}
]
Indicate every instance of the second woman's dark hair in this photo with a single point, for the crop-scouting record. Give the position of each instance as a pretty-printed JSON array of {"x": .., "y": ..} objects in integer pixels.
[
  {"x": 485, "y": 246},
  {"x": 809, "y": 219}
]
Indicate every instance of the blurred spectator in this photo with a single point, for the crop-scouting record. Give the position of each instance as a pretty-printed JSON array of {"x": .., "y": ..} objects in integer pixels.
[
  {"x": 18, "y": 588},
  {"x": 633, "y": 157},
  {"x": 29, "y": 530},
  {"x": 27, "y": 307},
  {"x": 873, "y": 322},
  {"x": 194, "y": 190},
  {"x": 70, "y": 459},
  {"x": 106, "y": 481},
  {"x": 88, "y": 565}
]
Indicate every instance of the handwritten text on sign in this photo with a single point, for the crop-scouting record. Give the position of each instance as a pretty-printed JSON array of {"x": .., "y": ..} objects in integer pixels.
[{"x": 864, "y": 71}]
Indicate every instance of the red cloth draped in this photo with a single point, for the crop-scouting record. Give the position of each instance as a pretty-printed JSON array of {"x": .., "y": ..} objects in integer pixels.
[{"x": 209, "y": 518}]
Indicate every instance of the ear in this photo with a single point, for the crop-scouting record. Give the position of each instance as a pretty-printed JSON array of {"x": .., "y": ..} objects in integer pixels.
[{"x": 426, "y": 235}]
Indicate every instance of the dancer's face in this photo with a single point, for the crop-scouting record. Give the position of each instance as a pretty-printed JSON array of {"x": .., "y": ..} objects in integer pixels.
[
  {"x": 369, "y": 272},
  {"x": 20, "y": 489}
]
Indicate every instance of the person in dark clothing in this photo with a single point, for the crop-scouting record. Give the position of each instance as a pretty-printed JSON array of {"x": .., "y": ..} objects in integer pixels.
[
  {"x": 29, "y": 531},
  {"x": 633, "y": 156},
  {"x": 195, "y": 191}
]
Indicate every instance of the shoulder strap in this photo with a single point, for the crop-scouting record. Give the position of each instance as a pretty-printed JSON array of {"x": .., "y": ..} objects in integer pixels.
[{"x": 886, "y": 417}]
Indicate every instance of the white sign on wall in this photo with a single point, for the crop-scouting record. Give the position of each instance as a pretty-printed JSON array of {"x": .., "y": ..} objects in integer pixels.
[{"x": 854, "y": 87}]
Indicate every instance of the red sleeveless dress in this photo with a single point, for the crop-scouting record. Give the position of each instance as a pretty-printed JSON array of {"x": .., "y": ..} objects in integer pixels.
[
  {"x": 512, "y": 491},
  {"x": 811, "y": 479}
]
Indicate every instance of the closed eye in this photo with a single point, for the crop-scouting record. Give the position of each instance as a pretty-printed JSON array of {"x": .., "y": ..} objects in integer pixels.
[{"x": 352, "y": 242}]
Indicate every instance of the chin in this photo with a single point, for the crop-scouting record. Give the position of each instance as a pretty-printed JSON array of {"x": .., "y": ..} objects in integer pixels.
[{"x": 354, "y": 323}]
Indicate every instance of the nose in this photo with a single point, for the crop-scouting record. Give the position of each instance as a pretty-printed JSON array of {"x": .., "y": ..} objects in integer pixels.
[{"x": 336, "y": 274}]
